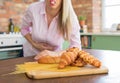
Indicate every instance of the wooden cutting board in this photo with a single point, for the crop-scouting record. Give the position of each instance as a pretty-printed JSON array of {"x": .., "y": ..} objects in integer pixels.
[{"x": 69, "y": 71}]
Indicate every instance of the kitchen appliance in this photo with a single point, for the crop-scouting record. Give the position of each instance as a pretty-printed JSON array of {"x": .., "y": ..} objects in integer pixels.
[{"x": 11, "y": 46}]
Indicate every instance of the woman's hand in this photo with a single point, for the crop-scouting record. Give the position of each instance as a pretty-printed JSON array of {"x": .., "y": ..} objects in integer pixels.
[
  {"x": 43, "y": 46},
  {"x": 39, "y": 45},
  {"x": 46, "y": 53}
]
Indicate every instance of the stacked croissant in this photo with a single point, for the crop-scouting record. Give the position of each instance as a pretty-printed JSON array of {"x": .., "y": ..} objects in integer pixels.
[{"x": 73, "y": 57}]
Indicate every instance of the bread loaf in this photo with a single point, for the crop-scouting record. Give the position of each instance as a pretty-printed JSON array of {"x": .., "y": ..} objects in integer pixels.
[
  {"x": 49, "y": 59},
  {"x": 72, "y": 56}
]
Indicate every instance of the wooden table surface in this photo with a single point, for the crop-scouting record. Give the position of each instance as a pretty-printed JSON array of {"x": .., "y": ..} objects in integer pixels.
[{"x": 110, "y": 59}]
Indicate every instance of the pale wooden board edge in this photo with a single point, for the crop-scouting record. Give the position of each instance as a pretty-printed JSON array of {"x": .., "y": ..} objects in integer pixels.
[{"x": 45, "y": 74}]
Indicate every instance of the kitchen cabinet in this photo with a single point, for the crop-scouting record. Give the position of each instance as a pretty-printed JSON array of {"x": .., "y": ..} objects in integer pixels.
[
  {"x": 103, "y": 40},
  {"x": 86, "y": 41}
]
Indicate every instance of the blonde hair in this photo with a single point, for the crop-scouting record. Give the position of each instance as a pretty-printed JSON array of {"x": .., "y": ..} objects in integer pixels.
[{"x": 65, "y": 19}]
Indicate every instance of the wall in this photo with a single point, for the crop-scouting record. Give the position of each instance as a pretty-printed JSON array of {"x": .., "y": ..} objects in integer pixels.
[
  {"x": 12, "y": 9},
  {"x": 97, "y": 16},
  {"x": 92, "y": 10},
  {"x": 15, "y": 8}
]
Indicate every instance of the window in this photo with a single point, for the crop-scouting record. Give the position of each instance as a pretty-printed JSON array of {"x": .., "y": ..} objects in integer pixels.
[{"x": 110, "y": 14}]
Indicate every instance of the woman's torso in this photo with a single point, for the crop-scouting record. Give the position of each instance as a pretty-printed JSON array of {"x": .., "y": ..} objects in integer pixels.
[{"x": 41, "y": 32}]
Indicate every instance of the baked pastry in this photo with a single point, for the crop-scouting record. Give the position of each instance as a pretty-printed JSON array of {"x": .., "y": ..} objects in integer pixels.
[
  {"x": 79, "y": 62},
  {"x": 72, "y": 56},
  {"x": 66, "y": 59},
  {"x": 49, "y": 59},
  {"x": 89, "y": 58},
  {"x": 75, "y": 50}
]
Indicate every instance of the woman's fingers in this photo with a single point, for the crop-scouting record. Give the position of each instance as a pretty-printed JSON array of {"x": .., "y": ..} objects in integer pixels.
[
  {"x": 49, "y": 47},
  {"x": 39, "y": 55},
  {"x": 46, "y": 53},
  {"x": 44, "y": 46}
]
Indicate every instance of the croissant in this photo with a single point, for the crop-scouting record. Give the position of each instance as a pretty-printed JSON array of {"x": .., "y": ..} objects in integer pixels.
[
  {"x": 49, "y": 59},
  {"x": 79, "y": 62},
  {"x": 75, "y": 50},
  {"x": 66, "y": 59},
  {"x": 72, "y": 56},
  {"x": 89, "y": 59}
]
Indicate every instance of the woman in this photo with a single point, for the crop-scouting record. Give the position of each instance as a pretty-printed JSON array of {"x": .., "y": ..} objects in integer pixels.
[{"x": 46, "y": 25}]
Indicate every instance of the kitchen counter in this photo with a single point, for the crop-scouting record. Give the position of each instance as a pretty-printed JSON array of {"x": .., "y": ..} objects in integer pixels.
[
  {"x": 110, "y": 59},
  {"x": 10, "y": 35},
  {"x": 11, "y": 45},
  {"x": 11, "y": 39},
  {"x": 103, "y": 33}
]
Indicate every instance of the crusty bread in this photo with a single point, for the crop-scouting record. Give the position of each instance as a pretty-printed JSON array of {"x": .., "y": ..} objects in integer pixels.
[
  {"x": 49, "y": 59},
  {"x": 72, "y": 56}
]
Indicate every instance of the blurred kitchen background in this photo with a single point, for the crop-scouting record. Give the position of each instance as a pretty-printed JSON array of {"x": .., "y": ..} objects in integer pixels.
[
  {"x": 100, "y": 29},
  {"x": 15, "y": 9}
]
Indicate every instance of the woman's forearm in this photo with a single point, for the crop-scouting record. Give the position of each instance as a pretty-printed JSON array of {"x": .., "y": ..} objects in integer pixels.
[
  {"x": 38, "y": 45},
  {"x": 29, "y": 38}
]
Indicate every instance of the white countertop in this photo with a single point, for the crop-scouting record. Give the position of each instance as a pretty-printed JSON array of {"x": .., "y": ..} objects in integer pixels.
[
  {"x": 11, "y": 35},
  {"x": 12, "y": 39},
  {"x": 89, "y": 33},
  {"x": 102, "y": 33}
]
